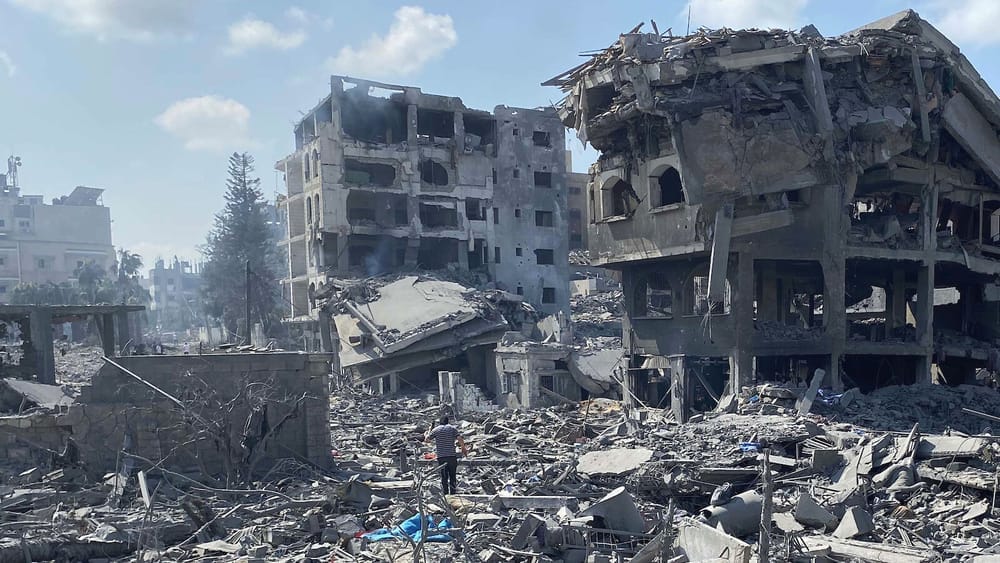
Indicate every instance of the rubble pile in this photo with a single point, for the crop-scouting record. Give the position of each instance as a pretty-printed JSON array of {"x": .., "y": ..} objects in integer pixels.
[
  {"x": 937, "y": 408},
  {"x": 594, "y": 479},
  {"x": 597, "y": 314},
  {"x": 75, "y": 364}
]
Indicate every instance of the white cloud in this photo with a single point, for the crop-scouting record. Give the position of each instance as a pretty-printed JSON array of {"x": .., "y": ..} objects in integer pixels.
[
  {"x": 210, "y": 123},
  {"x": 250, "y": 33},
  {"x": 739, "y": 14},
  {"x": 7, "y": 63},
  {"x": 967, "y": 22},
  {"x": 414, "y": 39},
  {"x": 297, "y": 15},
  {"x": 117, "y": 19}
]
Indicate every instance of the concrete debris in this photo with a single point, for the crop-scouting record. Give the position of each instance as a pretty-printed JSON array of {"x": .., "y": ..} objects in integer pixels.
[
  {"x": 597, "y": 477},
  {"x": 809, "y": 513},
  {"x": 616, "y": 462}
]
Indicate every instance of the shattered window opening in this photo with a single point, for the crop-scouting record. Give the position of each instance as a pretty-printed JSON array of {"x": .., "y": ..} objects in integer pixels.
[
  {"x": 475, "y": 210},
  {"x": 371, "y": 119},
  {"x": 541, "y": 139},
  {"x": 433, "y": 172},
  {"x": 361, "y": 173},
  {"x": 544, "y": 256},
  {"x": 658, "y": 297},
  {"x": 436, "y": 216},
  {"x": 696, "y": 298},
  {"x": 434, "y": 123},
  {"x": 543, "y": 179}
]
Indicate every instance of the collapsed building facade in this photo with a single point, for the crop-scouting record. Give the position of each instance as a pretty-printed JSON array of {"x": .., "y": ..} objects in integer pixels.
[
  {"x": 385, "y": 178},
  {"x": 779, "y": 203}
]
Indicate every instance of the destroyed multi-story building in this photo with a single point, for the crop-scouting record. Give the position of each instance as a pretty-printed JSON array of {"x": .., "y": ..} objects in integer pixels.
[
  {"x": 387, "y": 178},
  {"x": 42, "y": 243},
  {"x": 783, "y": 204},
  {"x": 175, "y": 293}
]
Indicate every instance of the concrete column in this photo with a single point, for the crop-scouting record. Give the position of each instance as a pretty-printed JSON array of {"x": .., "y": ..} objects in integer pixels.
[
  {"x": 834, "y": 316},
  {"x": 680, "y": 389},
  {"x": 411, "y": 125},
  {"x": 925, "y": 280},
  {"x": 342, "y": 257},
  {"x": 325, "y": 331},
  {"x": 897, "y": 303},
  {"x": 741, "y": 358},
  {"x": 463, "y": 257},
  {"x": 107, "y": 322},
  {"x": 393, "y": 383},
  {"x": 925, "y": 321},
  {"x": 41, "y": 340},
  {"x": 459, "y": 133}
]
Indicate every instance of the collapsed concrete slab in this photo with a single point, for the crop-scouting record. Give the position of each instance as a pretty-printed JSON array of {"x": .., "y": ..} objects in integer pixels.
[
  {"x": 616, "y": 461},
  {"x": 18, "y": 394}
]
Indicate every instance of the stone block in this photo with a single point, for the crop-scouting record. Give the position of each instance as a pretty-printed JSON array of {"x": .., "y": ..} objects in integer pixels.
[
  {"x": 856, "y": 522},
  {"x": 810, "y": 513}
]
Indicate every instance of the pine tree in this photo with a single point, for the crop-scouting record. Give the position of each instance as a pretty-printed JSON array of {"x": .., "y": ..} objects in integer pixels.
[{"x": 241, "y": 233}]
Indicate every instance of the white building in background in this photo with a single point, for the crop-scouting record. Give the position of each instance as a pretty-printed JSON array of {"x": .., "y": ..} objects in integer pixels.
[{"x": 40, "y": 242}]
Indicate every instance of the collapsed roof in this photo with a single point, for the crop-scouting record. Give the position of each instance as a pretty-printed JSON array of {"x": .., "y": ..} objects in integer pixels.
[
  {"x": 413, "y": 321},
  {"x": 858, "y": 101}
]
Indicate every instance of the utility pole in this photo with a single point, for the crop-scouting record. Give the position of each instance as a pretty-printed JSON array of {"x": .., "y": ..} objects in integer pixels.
[{"x": 248, "y": 304}]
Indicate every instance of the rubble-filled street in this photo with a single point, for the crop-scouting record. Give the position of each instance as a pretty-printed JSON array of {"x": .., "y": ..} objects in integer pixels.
[{"x": 592, "y": 481}]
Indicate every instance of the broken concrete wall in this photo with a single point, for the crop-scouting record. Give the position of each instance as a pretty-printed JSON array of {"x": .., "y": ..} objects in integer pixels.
[{"x": 233, "y": 405}]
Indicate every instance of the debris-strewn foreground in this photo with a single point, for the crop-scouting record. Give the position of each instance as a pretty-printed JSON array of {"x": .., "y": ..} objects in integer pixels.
[{"x": 572, "y": 483}]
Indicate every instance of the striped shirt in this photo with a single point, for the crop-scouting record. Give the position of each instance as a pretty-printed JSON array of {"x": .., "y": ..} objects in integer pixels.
[{"x": 444, "y": 440}]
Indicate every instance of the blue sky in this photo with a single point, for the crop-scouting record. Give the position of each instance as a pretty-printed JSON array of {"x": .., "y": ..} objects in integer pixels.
[{"x": 146, "y": 98}]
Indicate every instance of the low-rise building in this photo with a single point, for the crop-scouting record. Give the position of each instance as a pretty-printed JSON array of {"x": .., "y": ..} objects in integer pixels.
[{"x": 41, "y": 242}]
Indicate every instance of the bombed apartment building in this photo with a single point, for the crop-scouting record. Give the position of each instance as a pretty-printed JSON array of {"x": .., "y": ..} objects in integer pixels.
[
  {"x": 782, "y": 204},
  {"x": 386, "y": 178}
]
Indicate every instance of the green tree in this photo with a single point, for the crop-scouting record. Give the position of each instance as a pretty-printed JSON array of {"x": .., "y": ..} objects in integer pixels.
[
  {"x": 127, "y": 288},
  {"x": 240, "y": 234},
  {"x": 48, "y": 293},
  {"x": 92, "y": 281}
]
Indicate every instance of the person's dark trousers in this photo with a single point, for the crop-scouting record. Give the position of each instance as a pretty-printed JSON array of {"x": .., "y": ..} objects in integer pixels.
[{"x": 449, "y": 474}]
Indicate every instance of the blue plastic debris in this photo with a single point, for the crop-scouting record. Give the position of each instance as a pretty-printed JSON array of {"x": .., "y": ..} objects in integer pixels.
[{"x": 411, "y": 528}]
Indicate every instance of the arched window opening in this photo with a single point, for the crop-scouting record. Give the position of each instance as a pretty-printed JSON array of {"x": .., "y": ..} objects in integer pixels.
[
  {"x": 669, "y": 189},
  {"x": 618, "y": 199}
]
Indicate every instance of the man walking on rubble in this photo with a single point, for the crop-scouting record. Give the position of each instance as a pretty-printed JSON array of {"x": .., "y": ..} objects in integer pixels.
[{"x": 444, "y": 437}]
